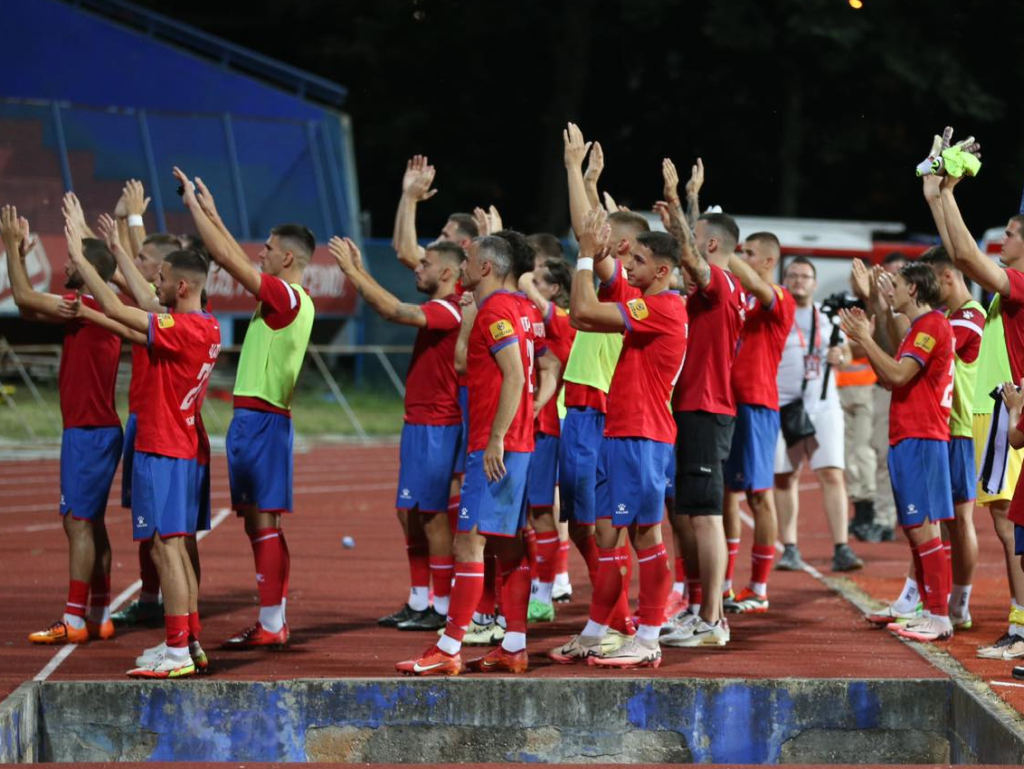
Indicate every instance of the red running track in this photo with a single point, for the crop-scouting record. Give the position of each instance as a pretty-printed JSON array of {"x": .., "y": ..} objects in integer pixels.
[{"x": 337, "y": 593}]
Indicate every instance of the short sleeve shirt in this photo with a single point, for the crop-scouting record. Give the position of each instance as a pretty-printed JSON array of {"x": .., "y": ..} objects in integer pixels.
[
  {"x": 762, "y": 339},
  {"x": 88, "y": 373},
  {"x": 431, "y": 390},
  {"x": 920, "y": 408},
  {"x": 560, "y": 335}
]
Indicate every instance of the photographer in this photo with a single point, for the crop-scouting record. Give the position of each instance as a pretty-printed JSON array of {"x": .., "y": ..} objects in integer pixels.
[{"x": 812, "y": 419}]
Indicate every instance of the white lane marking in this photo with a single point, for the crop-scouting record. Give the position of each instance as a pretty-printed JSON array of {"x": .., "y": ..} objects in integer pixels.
[
  {"x": 65, "y": 651},
  {"x": 1006, "y": 683}
]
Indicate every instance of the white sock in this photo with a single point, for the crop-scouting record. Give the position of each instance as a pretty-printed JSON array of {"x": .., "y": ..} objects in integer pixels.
[
  {"x": 543, "y": 593},
  {"x": 909, "y": 597},
  {"x": 533, "y": 586},
  {"x": 562, "y": 579},
  {"x": 483, "y": 619},
  {"x": 680, "y": 587},
  {"x": 514, "y": 642},
  {"x": 500, "y": 621},
  {"x": 648, "y": 633},
  {"x": 272, "y": 618},
  {"x": 419, "y": 598},
  {"x": 594, "y": 629},
  {"x": 694, "y": 608},
  {"x": 176, "y": 653},
  {"x": 441, "y": 604},
  {"x": 74, "y": 621},
  {"x": 1017, "y": 630},
  {"x": 761, "y": 588},
  {"x": 449, "y": 645},
  {"x": 726, "y": 586},
  {"x": 959, "y": 600}
]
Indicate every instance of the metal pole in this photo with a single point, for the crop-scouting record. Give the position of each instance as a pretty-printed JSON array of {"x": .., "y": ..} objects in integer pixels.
[
  {"x": 236, "y": 178},
  {"x": 5, "y": 347},
  {"x": 62, "y": 147},
  {"x": 395, "y": 379},
  {"x": 336, "y": 391},
  {"x": 154, "y": 179}
]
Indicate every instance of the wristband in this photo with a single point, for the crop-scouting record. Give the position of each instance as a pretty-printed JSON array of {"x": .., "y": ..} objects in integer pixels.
[
  {"x": 585, "y": 263},
  {"x": 135, "y": 220}
]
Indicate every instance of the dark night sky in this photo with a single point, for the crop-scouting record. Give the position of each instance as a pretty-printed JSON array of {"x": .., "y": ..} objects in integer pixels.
[{"x": 798, "y": 107}]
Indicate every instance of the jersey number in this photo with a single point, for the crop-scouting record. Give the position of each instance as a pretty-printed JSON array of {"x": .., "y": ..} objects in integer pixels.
[
  {"x": 191, "y": 395},
  {"x": 529, "y": 364},
  {"x": 947, "y": 394}
]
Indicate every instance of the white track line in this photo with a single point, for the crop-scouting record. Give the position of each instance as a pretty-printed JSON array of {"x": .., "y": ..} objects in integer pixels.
[
  {"x": 1006, "y": 683},
  {"x": 65, "y": 651}
]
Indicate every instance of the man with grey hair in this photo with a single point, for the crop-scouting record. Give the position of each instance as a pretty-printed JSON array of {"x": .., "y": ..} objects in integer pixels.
[{"x": 492, "y": 510}]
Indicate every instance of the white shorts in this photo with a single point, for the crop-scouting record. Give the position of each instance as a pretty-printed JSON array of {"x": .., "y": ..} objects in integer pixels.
[{"x": 829, "y": 429}]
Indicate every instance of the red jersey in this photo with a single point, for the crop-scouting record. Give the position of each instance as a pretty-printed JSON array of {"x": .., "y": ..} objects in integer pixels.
[
  {"x": 137, "y": 384},
  {"x": 920, "y": 408},
  {"x": 762, "y": 339},
  {"x": 532, "y": 325},
  {"x": 182, "y": 351},
  {"x": 88, "y": 373},
  {"x": 716, "y": 317},
  {"x": 560, "y": 334},
  {"x": 653, "y": 350},
  {"x": 1012, "y": 309},
  {"x": 431, "y": 389},
  {"x": 968, "y": 324},
  {"x": 498, "y": 323}
]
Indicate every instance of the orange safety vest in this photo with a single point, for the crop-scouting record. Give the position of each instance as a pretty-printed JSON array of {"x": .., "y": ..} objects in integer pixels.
[{"x": 857, "y": 373}]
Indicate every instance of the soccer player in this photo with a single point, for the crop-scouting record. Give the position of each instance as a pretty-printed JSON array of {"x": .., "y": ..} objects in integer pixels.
[
  {"x": 1008, "y": 287},
  {"x": 749, "y": 467},
  {"x": 91, "y": 441},
  {"x": 638, "y": 438},
  {"x": 492, "y": 508},
  {"x": 548, "y": 288},
  {"x": 705, "y": 414},
  {"x": 431, "y": 433},
  {"x": 260, "y": 437},
  {"x": 1013, "y": 397},
  {"x": 182, "y": 348},
  {"x": 921, "y": 377}
]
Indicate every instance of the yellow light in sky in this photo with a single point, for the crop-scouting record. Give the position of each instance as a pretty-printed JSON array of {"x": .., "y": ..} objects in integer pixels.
[{"x": 856, "y": 4}]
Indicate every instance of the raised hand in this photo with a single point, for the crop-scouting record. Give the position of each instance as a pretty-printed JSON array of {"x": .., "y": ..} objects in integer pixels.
[
  {"x": 575, "y": 148},
  {"x": 74, "y": 233},
  {"x": 483, "y": 222},
  {"x": 884, "y": 286},
  {"x": 670, "y": 179},
  {"x": 121, "y": 207},
  {"x": 931, "y": 185},
  {"x": 72, "y": 209},
  {"x": 188, "y": 189},
  {"x": 107, "y": 228},
  {"x": 206, "y": 201},
  {"x": 134, "y": 196},
  {"x": 596, "y": 234},
  {"x": 860, "y": 280},
  {"x": 609, "y": 204},
  {"x": 418, "y": 178},
  {"x": 1013, "y": 396},
  {"x": 10, "y": 230},
  {"x": 855, "y": 324},
  {"x": 595, "y": 165},
  {"x": 494, "y": 218},
  {"x": 525, "y": 281},
  {"x": 696, "y": 180},
  {"x": 346, "y": 254}
]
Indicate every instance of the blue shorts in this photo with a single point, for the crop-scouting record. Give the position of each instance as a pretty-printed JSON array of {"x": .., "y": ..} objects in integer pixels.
[
  {"x": 963, "y": 476},
  {"x": 126, "y": 460},
  {"x": 203, "y": 504},
  {"x": 497, "y": 508},
  {"x": 631, "y": 481},
  {"x": 259, "y": 449},
  {"x": 670, "y": 479},
  {"x": 919, "y": 469},
  {"x": 578, "y": 449},
  {"x": 751, "y": 462},
  {"x": 165, "y": 496},
  {"x": 460, "y": 456},
  {"x": 427, "y": 454},
  {"x": 543, "y": 478},
  {"x": 88, "y": 462},
  {"x": 1018, "y": 539}
]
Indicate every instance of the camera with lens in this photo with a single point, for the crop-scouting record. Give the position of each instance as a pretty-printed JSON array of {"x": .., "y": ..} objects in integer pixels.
[{"x": 841, "y": 300}]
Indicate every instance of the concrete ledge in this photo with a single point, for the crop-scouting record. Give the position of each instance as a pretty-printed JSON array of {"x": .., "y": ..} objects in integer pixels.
[
  {"x": 505, "y": 719},
  {"x": 19, "y": 725}
]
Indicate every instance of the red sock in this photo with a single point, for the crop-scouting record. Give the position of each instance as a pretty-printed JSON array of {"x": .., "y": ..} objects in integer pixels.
[
  {"x": 486, "y": 602},
  {"x": 99, "y": 594},
  {"x": 680, "y": 570},
  {"x": 441, "y": 568},
  {"x": 286, "y": 563},
  {"x": 655, "y": 584},
  {"x": 78, "y": 596},
  {"x": 147, "y": 571},
  {"x": 465, "y": 595},
  {"x": 733, "y": 546},
  {"x": 562, "y": 560},
  {"x": 935, "y": 568},
  {"x": 590, "y": 556},
  {"x": 915, "y": 553},
  {"x": 694, "y": 589},
  {"x": 268, "y": 554},
  {"x": 608, "y": 586},
  {"x": 419, "y": 563},
  {"x": 547, "y": 555},
  {"x": 530, "y": 537},
  {"x": 194, "y": 626},
  {"x": 515, "y": 594},
  {"x": 761, "y": 557},
  {"x": 177, "y": 630},
  {"x": 622, "y": 617},
  {"x": 947, "y": 548},
  {"x": 453, "y": 511}
]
